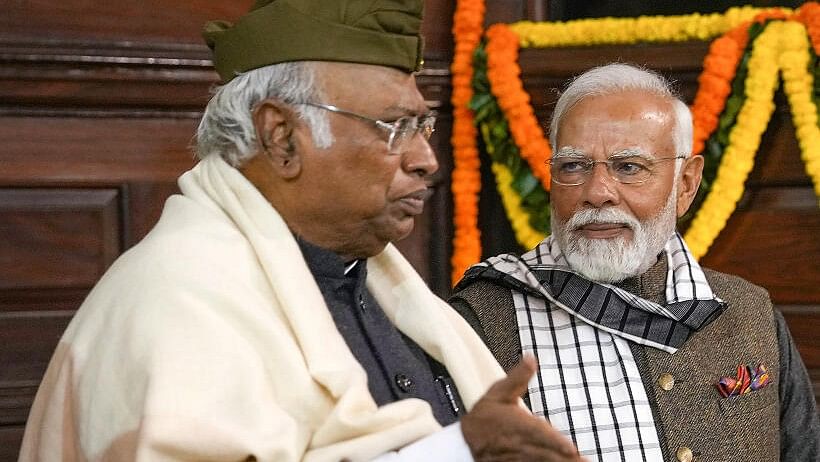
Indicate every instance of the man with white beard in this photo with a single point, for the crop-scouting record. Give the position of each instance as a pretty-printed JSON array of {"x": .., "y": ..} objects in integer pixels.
[{"x": 642, "y": 354}]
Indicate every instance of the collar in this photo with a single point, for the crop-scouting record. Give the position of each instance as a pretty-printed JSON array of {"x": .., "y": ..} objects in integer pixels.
[{"x": 325, "y": 263}]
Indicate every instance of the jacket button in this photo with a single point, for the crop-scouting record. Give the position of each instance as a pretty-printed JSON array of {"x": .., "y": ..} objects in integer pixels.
[
  {"x": 404, "y": 383},
  {"x": 684, "y": 454},
  {"x": 666, "y": 381}
]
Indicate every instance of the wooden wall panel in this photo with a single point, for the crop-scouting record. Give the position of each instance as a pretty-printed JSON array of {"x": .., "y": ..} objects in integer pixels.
[
  {"x": 10, "y": 439},
  {"x": 97, "y": 150},
  {"x": 803, "y": 321},
  {"x": 162, "y": 21},
  {"x": 57, "y": 238},
  {"x": 29, "y": 341},
  {"x": 772, "y": 240}
]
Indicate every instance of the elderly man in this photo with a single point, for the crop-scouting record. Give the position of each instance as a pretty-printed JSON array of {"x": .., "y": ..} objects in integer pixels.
[
  {"x": 642, "y": 355},
  {"x": 266, "y": 316}
]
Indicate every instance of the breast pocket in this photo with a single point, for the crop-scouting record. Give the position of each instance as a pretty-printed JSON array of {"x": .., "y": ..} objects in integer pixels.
[
  {"x": 750, "y": 426},
  {"x": 749, "y": 403}
]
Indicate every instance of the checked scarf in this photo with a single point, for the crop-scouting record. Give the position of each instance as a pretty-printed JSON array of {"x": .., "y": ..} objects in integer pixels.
[{"x": 588, "y": 384}]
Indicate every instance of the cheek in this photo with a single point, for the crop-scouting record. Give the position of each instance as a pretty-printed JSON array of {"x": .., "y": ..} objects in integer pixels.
[
  {"x": 565, "y": 201},
  {"x": 645, "y": 204}
]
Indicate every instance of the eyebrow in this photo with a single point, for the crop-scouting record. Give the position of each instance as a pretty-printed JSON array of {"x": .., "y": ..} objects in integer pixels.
[
  {"x": 408, "y": 111},
  {"x": 631, "y": 152},
  {"x": 569, "y": 151}
]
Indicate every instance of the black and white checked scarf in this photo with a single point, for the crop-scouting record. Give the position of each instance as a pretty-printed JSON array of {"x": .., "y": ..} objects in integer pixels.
[{"x": 588, "y": 384}]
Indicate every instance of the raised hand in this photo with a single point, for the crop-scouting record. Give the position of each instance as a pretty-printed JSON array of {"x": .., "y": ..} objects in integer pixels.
[{"x": 498, "y": 428}]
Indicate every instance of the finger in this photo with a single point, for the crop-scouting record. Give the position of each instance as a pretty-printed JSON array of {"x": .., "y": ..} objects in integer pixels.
[{"x": 510, "y": 388}]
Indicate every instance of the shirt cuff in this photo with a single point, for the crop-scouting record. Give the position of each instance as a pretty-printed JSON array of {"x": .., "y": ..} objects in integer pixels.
[{"x": 445, "y": 445}]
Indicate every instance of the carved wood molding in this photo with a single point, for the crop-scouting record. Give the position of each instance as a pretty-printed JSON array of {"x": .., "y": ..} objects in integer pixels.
[{"x": 123, "y": 79}]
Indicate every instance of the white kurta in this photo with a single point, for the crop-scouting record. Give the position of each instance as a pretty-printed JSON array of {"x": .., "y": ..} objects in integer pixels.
[{"x": 210, "y": 340}]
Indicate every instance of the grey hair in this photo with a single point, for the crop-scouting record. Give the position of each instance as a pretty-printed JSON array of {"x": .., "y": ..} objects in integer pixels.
[
  {"x": 616, "y": 78},
  {"x": 227, "y": 129}
]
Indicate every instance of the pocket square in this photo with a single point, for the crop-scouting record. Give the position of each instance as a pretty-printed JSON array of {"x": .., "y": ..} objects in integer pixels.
[{"x": 748, "y": 379}]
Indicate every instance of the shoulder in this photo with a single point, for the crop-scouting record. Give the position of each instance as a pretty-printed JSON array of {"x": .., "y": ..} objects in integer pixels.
[
  {"x": 480, "y": 292},
  {"x": 729, "y": 284},
  {"x": 749, "y": 309},
  {"x": 193, "y": 268}
]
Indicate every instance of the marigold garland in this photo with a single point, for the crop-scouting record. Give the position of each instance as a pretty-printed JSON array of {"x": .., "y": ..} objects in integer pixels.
[
  {"x": 738, "y": 159},
  {"x": 798, "y": 84},
  {"x": 505, "y": 80},
  {"x": 466, "y": 176},
  {"x": 625, "y": 31},
  {"x": 519, "y": 218},
  {"x": 715, "y": 82},
  {"x": 809, "y": 14}
]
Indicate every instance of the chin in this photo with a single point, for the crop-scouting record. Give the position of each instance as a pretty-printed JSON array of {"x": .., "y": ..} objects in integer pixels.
[
  {"x": 606, "y": 260},
  {"x": 401, "y": 228}
]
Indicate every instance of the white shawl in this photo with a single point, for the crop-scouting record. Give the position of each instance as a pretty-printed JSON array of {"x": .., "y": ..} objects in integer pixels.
[{"x": 210, "y": 340}]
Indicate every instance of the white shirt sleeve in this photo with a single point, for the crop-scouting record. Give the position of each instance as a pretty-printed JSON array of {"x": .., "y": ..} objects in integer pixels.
[{"x": 445, "y": 445}]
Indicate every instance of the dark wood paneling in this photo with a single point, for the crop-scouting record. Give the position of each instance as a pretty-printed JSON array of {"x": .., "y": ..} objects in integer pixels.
[
  {"x": 29, "y": 339},
  {"x": 57, "y": 238},
  {"x": 172, "y": 21},
  {"x": 42, "y": 299},
  {"x": 803, "y": 321},
  {"x": 145, "y": 201},
  {"x": 772, "y": 241},
  {"x": 504, "y": 11},
  {"x": 778, "y": 161},
  {"x": 10, "y": 439},
  {"x": 436, "y": 28},
  {"x": 77, "y": 150}
]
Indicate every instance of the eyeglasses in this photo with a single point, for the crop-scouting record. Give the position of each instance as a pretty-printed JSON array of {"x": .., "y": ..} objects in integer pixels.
[
  {"x": 399, "y": 131},
  {"x": 574, "y": 171}
]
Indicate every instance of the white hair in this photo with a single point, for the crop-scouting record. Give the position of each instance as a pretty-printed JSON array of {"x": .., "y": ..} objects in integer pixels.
[
  {"x": 616, "y": 78},
  {"x": 227, "y": 129}
]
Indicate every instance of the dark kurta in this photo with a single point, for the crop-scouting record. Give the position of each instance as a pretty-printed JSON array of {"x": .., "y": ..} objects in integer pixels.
[{"x": 397, "y": 368}]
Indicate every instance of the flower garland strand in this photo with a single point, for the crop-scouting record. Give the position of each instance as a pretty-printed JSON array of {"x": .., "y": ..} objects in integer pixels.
[
  {"x": 525, "y": 234},
  {"x": 738, "y": 159},
  {"x": 626, "y": 31},
  {"x": 530, "y": 213},
  {"x": 719, "y": 138},
  {"x": 466, "y": 176},
  {"x": 504, "y": 75},
  {"x": 798, "y": 84},
  {"x": 715, "y": 82},
  {"x": 809, "y": 15}
]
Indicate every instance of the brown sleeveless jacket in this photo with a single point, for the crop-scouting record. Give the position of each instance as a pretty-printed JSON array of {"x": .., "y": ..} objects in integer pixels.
[{"x": 694, "y": 422}]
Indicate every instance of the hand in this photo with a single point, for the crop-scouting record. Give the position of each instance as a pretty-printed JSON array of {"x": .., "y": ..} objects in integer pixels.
[{"x": 498, "y": 428}]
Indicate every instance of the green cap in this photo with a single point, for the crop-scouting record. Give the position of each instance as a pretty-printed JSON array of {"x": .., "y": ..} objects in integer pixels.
[{"x": 381, "y": 32}]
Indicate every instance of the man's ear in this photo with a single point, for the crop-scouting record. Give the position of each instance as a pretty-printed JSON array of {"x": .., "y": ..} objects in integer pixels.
[
  {"x": 274, "y": 122},
  {"x": 689, "y": 182}
]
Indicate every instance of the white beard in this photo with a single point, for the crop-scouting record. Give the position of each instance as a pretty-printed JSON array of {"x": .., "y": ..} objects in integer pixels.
[{"x": 613, "y": 260}]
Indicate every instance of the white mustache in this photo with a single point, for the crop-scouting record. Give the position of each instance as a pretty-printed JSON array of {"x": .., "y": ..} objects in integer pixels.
[{"x": 607, "y": 215}]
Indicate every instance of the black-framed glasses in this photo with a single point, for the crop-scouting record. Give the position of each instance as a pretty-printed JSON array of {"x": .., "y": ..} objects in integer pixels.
[
  {"x": 574, "y": 171},
  {"x": 398, "y": 131}
]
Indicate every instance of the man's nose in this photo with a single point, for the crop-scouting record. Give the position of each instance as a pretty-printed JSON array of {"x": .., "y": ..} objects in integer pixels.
[
  {"x": 419, "y": 157},
  {"x": 600, "y": 189}
]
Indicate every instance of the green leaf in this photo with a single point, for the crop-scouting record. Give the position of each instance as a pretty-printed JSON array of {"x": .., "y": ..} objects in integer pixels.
[{"x": 524, "y": 183}]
